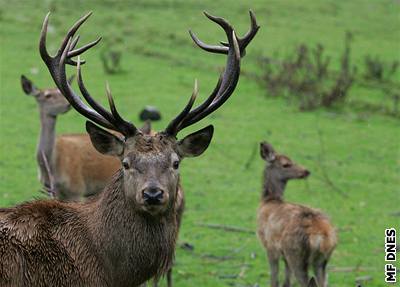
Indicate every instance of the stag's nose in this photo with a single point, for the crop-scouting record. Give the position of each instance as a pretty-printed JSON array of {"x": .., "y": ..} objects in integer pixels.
[
  {"x": 153, "y": 195},
  {"x": 306, "y": 173}
]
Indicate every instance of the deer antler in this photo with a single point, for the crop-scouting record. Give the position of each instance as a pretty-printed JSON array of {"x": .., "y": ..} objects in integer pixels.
[
  {"x": 56, "y": 65},
  {"x": 235, "y": 48}
]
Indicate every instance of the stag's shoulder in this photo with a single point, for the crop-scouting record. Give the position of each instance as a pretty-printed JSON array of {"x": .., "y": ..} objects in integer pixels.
[
  {"x": 33, "y": 221},
  {"x": 38, "y": 232}
]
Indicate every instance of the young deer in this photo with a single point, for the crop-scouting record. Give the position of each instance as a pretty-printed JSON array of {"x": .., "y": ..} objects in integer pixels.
[
  {"x": 78, "y": 169},
  {"x": 301, "y": 235},
  {"x": 126, "y": 234}
]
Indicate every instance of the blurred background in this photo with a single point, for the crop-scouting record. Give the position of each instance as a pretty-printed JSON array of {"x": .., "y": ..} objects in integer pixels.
[{"x": 320, "y": 81}]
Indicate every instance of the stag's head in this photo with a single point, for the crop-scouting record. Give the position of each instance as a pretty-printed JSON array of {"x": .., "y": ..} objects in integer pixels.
[
  {"x": 51, "y": 101},
  {"x": 279, "y": 166},
  {"x": 150, "y": 162}
]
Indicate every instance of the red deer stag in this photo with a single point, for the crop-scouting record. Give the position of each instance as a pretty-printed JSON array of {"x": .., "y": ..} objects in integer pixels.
[
  {"x": 127, "y": 234},
  {"x": 78, "y": 169},
  {"x": 301, "y": 235}
]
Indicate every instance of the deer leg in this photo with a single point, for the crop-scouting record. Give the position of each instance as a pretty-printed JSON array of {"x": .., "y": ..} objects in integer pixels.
[
  {"x": 273, "y": 258},
  {"x": 288, "y": 274},
  {"x": 169, "y": 278},
  {"x": 299, "y": 265},
  {"x": 320, "y": 273},
  {"x": 155, "y": 282}
]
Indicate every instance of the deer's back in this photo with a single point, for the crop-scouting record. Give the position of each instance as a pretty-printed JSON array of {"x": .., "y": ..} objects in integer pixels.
[
  {"x": 80, "y": 170},
  {"x": 45, "y": 243},
  {"x": 285, "y": 226}
]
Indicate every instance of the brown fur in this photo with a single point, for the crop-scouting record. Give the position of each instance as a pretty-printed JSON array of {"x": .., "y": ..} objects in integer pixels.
[
  {"x": 116, "y": 239},
  {"x": 301, "y": 235},
  {"x": 94, "y": 169},
  {"x": 79, "y": 169},
  {"x": 104, "y": 242}
]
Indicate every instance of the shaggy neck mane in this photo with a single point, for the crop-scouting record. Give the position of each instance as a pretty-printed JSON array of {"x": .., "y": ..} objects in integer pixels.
[{"x": 130, "y": 239}]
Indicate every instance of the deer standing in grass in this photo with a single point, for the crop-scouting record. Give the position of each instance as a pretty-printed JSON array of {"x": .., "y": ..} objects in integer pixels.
[
  {"x": 126, "y": 234},
  {"x": 78, "y": 169},
  {"x": 302, "y": 236}
]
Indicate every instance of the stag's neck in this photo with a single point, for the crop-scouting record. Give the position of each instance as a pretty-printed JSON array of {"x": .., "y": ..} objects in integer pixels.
[
  {"x": 273, "y": 188},
  {"x": 46, "y": 144},
  {"x": 134, "y": 246}
]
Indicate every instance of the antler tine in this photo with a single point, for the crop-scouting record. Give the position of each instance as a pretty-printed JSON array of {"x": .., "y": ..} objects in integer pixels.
[
  {"x": 223, "y": 90},
  {"x": 56, "y": 66},
  {"x": 246, "y": 39},
  {"x": 82, "y": 49},
  {"x": 206, "y": 47},
  {"x": 127, "y": 128},
  {"x": 234, "y": 48},
  {"x": 96, "y": 106},
  {"x": 71, "y": 32},
  {"x": 172, "y": 128},
  {"x": 214, "y": 48},
  {"x": 210, "y": 99},
  {"x": 220, "y": 21},
  {"x": 61, "y": 81},
  {"x": 43, "y": 35},
  {"x": 75, "y": 41},
  {"x": 42, "y": 41},
  {"x": 243, "y": 41}
]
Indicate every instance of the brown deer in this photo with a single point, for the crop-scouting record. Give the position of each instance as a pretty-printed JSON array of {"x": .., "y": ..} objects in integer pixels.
[
  {"x": 126, "y": 234},
  {"x": 301, "y": 235},
  {"x": 75, "y": 179},
  {"x": 79, "y": 170}
]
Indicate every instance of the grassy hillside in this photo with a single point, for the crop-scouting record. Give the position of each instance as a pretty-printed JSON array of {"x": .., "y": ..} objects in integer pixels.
[{"x": 359, "y": 152}]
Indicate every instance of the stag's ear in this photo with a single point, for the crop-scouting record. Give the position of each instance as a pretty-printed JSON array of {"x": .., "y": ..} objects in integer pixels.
[
  {"x": 196, "y": 143},
  {"x": 146, "y": 128},
  {"x": 267, "y": 152},
  {"x": 103, "y": 141},
  {"x": 312, "y": 283},
  {"x": 28, "y": 87}
]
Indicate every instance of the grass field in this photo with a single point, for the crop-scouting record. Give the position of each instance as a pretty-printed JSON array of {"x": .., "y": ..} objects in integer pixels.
[{"x": 359, "y": 152}]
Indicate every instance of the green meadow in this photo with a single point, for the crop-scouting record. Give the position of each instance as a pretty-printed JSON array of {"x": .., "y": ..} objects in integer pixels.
[{"x": 354, "y": 156}]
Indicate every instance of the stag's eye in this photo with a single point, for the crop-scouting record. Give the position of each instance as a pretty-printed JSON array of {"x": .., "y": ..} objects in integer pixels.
[
  {"x": 125, "y": 163},
  {"x": 47, "y": 96},
  {"x": 175, "y": 164},
  {"x": 286, "y": 165}
]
